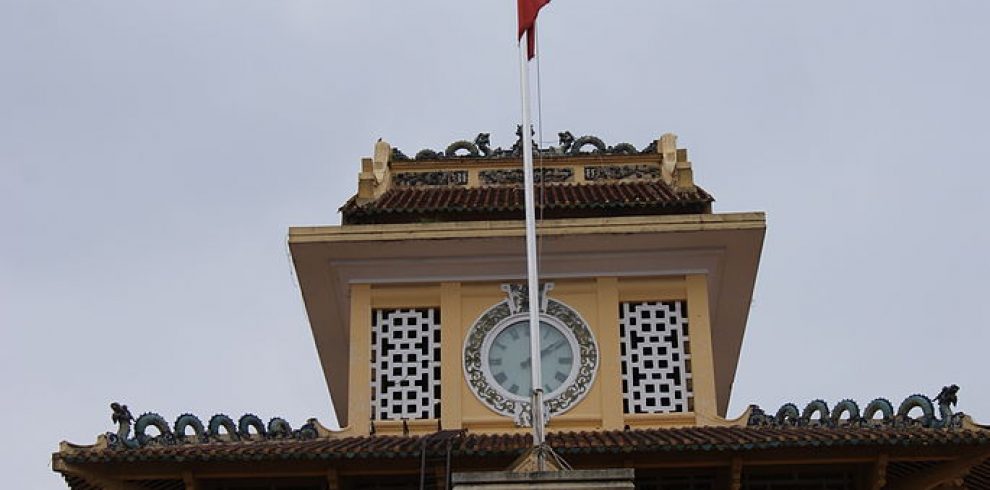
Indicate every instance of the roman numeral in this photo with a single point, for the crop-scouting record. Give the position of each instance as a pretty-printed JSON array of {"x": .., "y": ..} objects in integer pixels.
[
  {"x": 560, "y": 376},
  {"x": 501, "y": 377},
  {"x": 495, "y": 361}
]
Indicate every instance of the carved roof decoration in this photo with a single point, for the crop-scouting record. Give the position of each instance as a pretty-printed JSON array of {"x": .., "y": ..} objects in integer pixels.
[
  {"x": 567, "y": 145},
  {"x": 219, "y": 428},
  {"x": 878, "y": 413}
]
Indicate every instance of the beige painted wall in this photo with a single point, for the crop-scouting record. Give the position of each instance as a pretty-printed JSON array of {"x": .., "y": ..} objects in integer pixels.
[{"x": 595, "y": 299}]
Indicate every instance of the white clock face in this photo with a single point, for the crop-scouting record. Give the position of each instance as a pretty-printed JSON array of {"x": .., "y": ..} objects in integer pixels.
[{"x": 510, "y": 364}]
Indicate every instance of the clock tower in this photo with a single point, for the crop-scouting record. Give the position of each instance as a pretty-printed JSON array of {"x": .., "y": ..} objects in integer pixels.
[{"x": 419, "y": 308}]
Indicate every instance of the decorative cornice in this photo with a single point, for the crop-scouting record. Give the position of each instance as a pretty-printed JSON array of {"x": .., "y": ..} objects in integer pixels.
[
  {"x": 621, "y": 172},
  {"x": 441, "y": 178},
  {"x": 515, "y": 176}
]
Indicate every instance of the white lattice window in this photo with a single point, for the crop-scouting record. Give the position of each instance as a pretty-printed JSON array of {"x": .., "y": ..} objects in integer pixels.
[
  {"x": 405, "y": 364},
  {"x": 655, "y": 357}
]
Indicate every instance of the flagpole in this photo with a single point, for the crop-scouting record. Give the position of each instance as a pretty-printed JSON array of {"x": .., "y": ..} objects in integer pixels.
[{"x": 532, "y": 273}]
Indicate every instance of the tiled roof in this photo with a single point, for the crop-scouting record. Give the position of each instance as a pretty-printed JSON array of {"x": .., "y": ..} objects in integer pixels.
[
  {"x": 979, "y": 476},
  {"x": 684, "y": 440},
  {"x": 415, "y": 203}
]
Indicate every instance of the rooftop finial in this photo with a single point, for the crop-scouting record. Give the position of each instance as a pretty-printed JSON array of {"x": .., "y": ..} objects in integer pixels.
[{"x": 668, "y": 150}]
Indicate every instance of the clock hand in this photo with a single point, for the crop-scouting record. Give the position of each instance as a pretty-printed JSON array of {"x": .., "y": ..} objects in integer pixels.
[
  {"x": 543, "y": 352},
  {"x": 552, "y": 347}
]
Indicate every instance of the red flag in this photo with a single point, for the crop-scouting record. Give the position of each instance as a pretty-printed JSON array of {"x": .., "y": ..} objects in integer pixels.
[{"x": 528, "y": 10}]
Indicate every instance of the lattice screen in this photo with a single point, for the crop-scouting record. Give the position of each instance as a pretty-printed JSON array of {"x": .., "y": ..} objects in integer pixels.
[
  {"x": 655, "y": 369},
  {"x": 405, "y": 360}
]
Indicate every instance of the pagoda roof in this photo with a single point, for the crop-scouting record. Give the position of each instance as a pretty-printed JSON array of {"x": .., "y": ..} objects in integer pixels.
[
  {"x": 470, "y": 181},
  {"x": 406, "y": 204},
  {"x": 909, "y": 446},
  {"x": 653, "y": 440}
]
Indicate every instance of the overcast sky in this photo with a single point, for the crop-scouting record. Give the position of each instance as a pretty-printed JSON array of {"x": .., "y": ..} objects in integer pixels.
[{"x": 154, "y": 153}]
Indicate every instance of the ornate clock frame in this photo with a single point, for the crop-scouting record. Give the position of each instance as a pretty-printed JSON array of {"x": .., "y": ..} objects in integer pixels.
[{"x": 509, "y": 311}]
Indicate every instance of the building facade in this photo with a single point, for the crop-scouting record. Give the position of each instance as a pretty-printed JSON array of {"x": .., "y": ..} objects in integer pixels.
[{"x": 418, "y": 308}]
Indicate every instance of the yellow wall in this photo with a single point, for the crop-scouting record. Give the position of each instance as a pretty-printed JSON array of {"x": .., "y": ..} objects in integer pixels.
[{"x": 595, "y": 299}]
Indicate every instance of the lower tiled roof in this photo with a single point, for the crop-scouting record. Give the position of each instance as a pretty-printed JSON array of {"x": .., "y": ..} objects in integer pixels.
[
  {"x": 692, "y": 439},
  {"x": 979, "y": 476},
  {"x": 403, "y": 204}
]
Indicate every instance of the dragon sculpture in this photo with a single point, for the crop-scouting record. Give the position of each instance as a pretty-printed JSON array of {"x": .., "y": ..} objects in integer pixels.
[
  {"x": 479, "y": 147},
  {"x": 483, "y": 141},
  {"x": 219, "y": 428},
  {"x": 879, "y": 412},
  {"x": 568, "y": 145}
]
